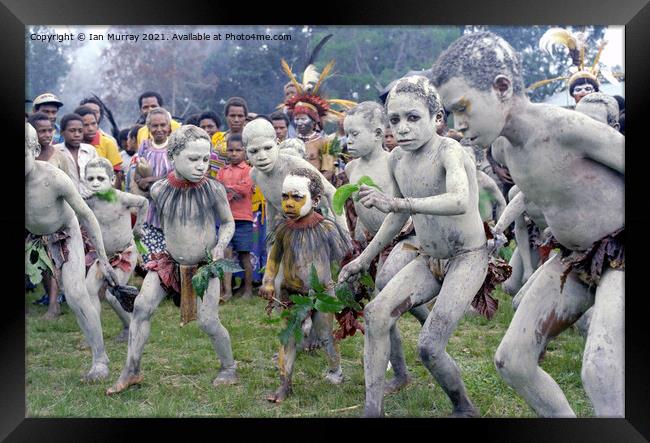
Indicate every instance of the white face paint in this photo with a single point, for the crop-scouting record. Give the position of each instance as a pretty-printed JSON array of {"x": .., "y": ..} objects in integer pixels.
[
  {"x": 192, "y": 162},
  {"x": 97, "y": 179},
  {"x": 361, "y": 139},
  {"x": 410, "y": 121},
  {"x": 263, "y": 153},
  {"x": 296, "y": 198},
  {"x": 479, "y": 115}
]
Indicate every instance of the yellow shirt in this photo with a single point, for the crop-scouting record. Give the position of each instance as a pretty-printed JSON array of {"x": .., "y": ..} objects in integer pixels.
[
  {"x": 107, "y": 148},
  {"x": 143, "y": 132}
]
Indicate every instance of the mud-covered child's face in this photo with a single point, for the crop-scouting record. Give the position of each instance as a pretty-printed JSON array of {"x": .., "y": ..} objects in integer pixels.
[
  {"x": 361, "y": 139},
  {"x": 410, "y": 120},
  {"x": 296, "y": 198},
  {"x": 262, "y": 153},
  {"x": 192, "y": 162},
  {"x": 478, "y": 115},
  {"x": 98, "y": 180}
]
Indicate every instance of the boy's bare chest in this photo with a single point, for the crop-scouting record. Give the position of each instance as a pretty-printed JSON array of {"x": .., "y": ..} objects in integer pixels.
[{"x": 419, "y": 180}]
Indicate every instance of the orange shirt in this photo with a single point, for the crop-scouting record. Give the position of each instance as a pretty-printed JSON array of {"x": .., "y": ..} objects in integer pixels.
[{"x": 237, "y": 179}]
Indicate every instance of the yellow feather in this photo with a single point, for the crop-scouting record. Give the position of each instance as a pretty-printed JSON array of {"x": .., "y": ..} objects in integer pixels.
[
  {"x": 600, "y": 51},
  {"x": 347, "y": 104},
  {"x": 323, "y": 75},
  {"x": 287, "y": 70},
  {"x": 544, "y": 82},
  {"x": 557, "y": 35}
]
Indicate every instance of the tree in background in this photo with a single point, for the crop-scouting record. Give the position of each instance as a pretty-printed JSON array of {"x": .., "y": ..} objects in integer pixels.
[{"x": 46, "y": 63}]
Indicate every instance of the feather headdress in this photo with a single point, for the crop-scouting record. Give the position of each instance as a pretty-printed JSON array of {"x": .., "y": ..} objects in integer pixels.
[
  {"x": 308, "y": 99},
  {"x": 576, "y": 44}
]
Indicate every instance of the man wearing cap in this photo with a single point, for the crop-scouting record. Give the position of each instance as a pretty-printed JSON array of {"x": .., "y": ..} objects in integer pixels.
[{"x": 49, "y": 104}]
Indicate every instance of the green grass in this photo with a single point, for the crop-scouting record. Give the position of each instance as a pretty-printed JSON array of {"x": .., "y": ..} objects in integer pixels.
[{"x": 179, "y": 365}]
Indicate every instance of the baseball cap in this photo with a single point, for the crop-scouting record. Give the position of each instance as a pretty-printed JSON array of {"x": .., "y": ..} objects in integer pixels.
[{"x": 48, "y": 97}]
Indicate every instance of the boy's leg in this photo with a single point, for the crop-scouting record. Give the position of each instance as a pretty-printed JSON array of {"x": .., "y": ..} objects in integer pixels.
[
  {"x": 208, "y": 310},
  {"x": 286, "y": 360},
  {"x": 150, "y": 296},
  {"x": 463, "y": 279},
  {"x": 227, "y": 280},
  {"x": 413, "y": 285},
  {"x": 125, "y": 317},
  {"x": 248, "y": 273},
  {"x": 72, "y": 276},
  {"x": 322, "y": 324},
  {"x": 52, "y": 290},
  {"x": 544, "y": 313},
  {"x": 603, "y": 363}
]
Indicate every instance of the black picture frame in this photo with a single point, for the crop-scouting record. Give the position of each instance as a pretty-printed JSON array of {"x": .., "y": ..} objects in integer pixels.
[{"x": 634, "y": 14}]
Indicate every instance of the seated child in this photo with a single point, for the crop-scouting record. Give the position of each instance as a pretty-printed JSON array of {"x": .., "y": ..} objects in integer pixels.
[{"x": 302, "y": 239}]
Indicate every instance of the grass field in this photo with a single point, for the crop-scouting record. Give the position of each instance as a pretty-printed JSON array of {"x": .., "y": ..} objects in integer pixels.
[{"x": 179, "y": 365}]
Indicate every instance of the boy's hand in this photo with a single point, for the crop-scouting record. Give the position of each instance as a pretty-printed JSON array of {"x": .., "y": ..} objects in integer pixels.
[
  {"x": 370, "y": 197},
  {"x": 352, "y": 269},
  {"x": 267, "y": 291},
  {"x": 217, "y": 253},
  {"x": 138, "y": 232},
  {"x": 109, "y": 272}
]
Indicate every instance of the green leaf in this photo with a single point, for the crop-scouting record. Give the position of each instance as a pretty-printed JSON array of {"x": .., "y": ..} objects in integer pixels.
[
  {"x": 345, "y": 296},
  {"x": 366, "y": 180},
  {"x": 328, "y": 304},
  {"x": 225, "y": 265},
  {"x": 35, "y": 276},
  {"x": 43, "y": 257},
  {"x": 142, "y": 249},
  {"x": 109, "y": 196},
  {"x": 301, "y": 300},
  {"x": 314, "y": 282},
  {"x": 334, "y": 147},
  {"x": 367, "y": 281},
  {"x": 200, "y": 281},
  {"x": 341, "y": 195}
]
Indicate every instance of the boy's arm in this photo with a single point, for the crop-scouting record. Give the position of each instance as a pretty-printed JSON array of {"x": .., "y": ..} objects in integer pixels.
[
  {"x": 391, "y": 226},
  {"x": 487, "y": 183},
  {"x": 453, "y": 202},
  {"x": 141, "y": 204},
  {"x": 523, "y": 244},
  {"x": 271, "y": 270},
  {"x": 227, "y": 226},
  {"x": 86, "y": 216},
  {"x": 244, "y": 187},
  {"x": 596, "y": 141},
  {"x": 515, "y": 208}
]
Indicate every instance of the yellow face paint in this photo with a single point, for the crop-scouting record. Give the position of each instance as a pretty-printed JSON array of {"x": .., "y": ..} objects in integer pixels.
[{"x": 292, "y": 204}]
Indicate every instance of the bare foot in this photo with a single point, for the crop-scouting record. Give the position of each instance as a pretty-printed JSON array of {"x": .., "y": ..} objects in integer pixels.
[
  {"x": 396, "y": 385},
  {"x": 122, "y": 384},
  {"x": 468, "y": 412},
  {"x": 123, "y": 337},
  {"x": 97, "y": 373},
  {"x": 335, "y": 377},
  {"x": 278, "y": 396},
  {"x": 225, "y": 377},
  {"x": 225, "y": 297},
  {"x": 247, "y": 295},
  {"x": 53, "y": 311}
]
